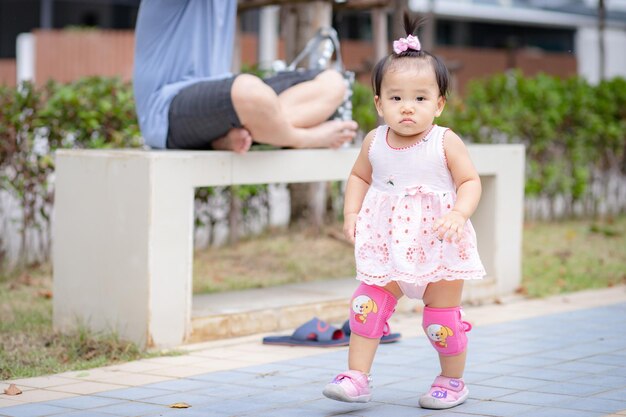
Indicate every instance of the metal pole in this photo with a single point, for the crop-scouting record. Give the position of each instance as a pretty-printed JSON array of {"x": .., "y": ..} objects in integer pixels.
[{"x": 268, "y": 36}]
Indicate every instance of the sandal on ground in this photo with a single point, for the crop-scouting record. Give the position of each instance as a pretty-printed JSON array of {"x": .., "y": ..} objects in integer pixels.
[
  {"x": 314, "y": 332},
  {"x": 444, "y": 393},
  {"x": 350, "y": 387}
]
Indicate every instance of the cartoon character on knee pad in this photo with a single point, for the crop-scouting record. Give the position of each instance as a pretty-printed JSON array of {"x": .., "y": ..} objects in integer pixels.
[
  {"x": 439, "y": 334},
  {"x": 446, "y": 330},
  {"x": 362, "y": 305},
  {"x": 370, "y": 309}
]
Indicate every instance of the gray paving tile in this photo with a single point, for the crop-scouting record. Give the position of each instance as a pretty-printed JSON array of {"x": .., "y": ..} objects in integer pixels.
[
  {"x": 606, "y": 359},
  {"x": 272, "y": 382},
  {"x": 495, "y": 408},
  {"x": 86, "y": 413},
  {"x": 611, "y": 382},
  {"x": 533, "y": 361},
  {"x": 513, "y": 382},
  {"x": 312, "y": 374},
  {"x": 564, "y": 354},
  {"x": 180, "y": 397},
  {"x": 382, "y": 379},
  {"x": 391, "y": 396},
  {"x": 230, "y": 391},
  {"x": 535, "y": 398},
  {"x": 602, "y": 405},
  {"x": 485, "y": 355},
  {"x": 578, "y": 366},
  {"x": 549, "y": 374},
  {"x": 473, "y": 377},
  {"x": 452, "y": 413},
  {"x": 33, "y": 410},
  {"x": 185, "y": 384},
  {"x": 568, "y": 388},
  {"x": 272, "y": 368},
  {"x": 501, "y": 368},
  {"x": 84, "y": 402},
  {"x": 559, "y": 412},
  {"x": 411, "y": 385},
  {"x": 288, "y": 412},
  {"x": 135, "y": 393},
  {"x": 222, "y": 377},
  {"x": 481, "y": 392},
  {"x": 131, "y": 409},
  {"x": 617, "y": 394},
  {"x": 336, "y": 407},
  {"x": 617, "y": 371},
  {"x": 300, "y": 394},
  {"x": 237, "y": 407},
  {"x": 399, "y": 399},
  {"x": 189, "y": 412},
  {"x": 390, "y": 410}
]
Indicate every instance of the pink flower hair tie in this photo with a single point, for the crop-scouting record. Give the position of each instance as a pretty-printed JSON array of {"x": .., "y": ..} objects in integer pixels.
[{"x": 410, "y": 42}]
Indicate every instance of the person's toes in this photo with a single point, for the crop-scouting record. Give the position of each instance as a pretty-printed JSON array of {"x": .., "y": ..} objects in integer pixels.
[{"x": 242, "y": 141}]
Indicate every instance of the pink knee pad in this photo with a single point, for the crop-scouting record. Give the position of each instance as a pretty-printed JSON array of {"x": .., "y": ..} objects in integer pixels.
[
  {"x": 371, "y": 307},
  {"x": 446, "y": 330}
]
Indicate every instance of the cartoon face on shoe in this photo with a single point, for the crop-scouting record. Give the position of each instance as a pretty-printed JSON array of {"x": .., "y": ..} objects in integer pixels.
[
  {"x": 362, "y": 305},
  {"x": 438, "y": 334}
]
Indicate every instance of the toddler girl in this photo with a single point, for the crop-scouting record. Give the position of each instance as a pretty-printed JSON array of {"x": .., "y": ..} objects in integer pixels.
[{"x": 408, "y": 202}]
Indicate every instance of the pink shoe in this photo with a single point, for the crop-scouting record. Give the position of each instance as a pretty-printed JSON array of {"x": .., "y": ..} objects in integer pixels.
[
  {"x": 444, "y": 393},
  {"x": 349, "y": 386}
]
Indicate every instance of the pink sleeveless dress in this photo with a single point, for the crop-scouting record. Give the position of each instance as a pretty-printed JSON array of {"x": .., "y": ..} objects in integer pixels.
[{"x": 411, "y": 188}]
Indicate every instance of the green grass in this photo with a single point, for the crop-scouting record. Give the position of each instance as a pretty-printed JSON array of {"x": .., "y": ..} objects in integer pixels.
[
  {"x": 273, "y": 259},
  {"x": 570, "y": 256},
  {"x": 29, "y": 346}
]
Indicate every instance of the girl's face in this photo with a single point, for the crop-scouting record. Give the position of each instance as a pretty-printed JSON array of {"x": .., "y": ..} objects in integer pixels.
[{"x": 409, "y": 99}]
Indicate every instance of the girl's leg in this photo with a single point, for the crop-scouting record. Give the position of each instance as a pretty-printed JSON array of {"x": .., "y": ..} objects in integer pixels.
[
  {"x": 445, "y": 294},
  {"x": 283, "y": 122},
  {"x": 362, "y": 349},
  {"x": 371, "y": 308}
]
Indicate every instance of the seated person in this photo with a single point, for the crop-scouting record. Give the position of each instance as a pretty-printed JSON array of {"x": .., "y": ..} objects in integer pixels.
[{"x": 187, "y": 98}]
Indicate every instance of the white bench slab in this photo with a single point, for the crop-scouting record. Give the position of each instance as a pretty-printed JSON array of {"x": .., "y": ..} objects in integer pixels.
[{"x": 123, "y": 227}]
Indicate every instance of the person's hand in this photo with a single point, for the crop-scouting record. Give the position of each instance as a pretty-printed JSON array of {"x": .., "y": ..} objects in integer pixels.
[
  {"x": 450, "y": 226},
  {"x": 349, "y": 226}
]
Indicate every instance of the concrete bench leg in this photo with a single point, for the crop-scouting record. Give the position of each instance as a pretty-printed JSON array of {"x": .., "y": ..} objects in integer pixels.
[{"x": 122, "y": 245}]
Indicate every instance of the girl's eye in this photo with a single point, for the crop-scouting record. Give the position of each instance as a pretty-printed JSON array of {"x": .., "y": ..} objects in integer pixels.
[
  {"x": 395, "y": 98},
  {"x": 420, "y": 99}
]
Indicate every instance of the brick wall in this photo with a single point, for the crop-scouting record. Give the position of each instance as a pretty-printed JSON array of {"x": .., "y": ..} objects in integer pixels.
[
  {"x": 68, "y": 55},
  {"x": 7, "y": 72}
]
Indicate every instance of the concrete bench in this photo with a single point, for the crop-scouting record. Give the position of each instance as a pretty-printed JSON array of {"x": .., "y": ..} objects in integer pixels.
[{"x": 123, "y": 228}]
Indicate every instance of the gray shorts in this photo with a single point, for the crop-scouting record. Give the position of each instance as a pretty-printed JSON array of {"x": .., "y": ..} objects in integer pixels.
[{"x": 204, "y": 111}]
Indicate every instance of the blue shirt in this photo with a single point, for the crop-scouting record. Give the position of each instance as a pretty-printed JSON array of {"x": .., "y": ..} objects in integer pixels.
[{"x": 178, "y": 43}]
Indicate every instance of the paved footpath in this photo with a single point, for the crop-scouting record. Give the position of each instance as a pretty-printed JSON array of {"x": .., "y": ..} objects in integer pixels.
[{"x": 559, "y": 357}]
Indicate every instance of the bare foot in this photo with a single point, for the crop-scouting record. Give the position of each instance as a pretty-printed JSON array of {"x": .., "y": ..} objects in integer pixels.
[
  {"x": 331, "y": 134},
  {"x": 237, "y": 140}
]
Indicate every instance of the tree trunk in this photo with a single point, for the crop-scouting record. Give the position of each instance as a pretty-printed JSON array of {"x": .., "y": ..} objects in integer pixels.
[
  {"x": 301, "y": 23},
  {"x": 601, "y": 25}
]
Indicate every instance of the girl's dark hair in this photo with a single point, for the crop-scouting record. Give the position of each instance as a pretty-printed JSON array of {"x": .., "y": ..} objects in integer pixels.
[{"x": 441, "y": 72}]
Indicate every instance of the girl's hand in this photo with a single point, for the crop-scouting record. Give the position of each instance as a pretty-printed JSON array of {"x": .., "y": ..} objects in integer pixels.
[
  {"x": 450, "y": 226},
  {"x": 349, "y": 226}
]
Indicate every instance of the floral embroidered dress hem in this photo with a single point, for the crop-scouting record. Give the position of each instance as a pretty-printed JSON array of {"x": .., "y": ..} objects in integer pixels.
[{"x": 411, "y": 188}]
